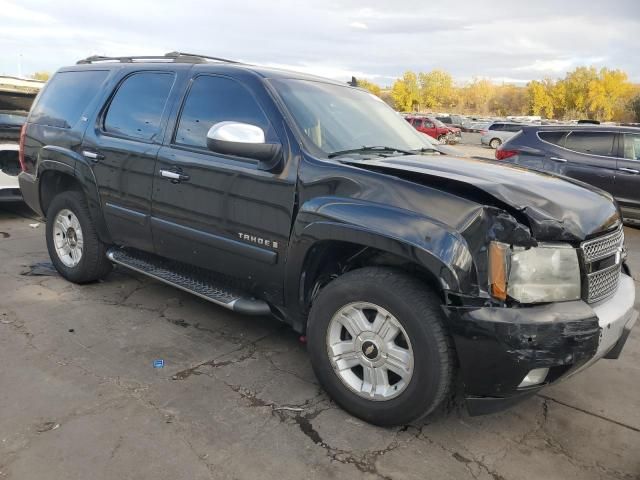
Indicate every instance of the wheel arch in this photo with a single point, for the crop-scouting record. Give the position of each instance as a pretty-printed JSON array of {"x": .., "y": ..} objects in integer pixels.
[
  {"x": 56, "y": 177},
  {"x": 322, "y": 250}
]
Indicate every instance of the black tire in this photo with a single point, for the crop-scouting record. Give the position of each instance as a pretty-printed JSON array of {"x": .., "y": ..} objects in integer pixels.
[
  {"x": 418, "y": 310},
  {"x": 94, "y": 263},
  {"x": 495, "y": 143}
]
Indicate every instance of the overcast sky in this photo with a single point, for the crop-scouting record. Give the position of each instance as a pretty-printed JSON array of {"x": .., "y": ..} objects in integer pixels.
[{"x": 375, "y": 39}]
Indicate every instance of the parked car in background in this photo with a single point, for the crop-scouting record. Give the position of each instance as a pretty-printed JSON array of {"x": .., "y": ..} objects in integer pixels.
[
  {"x": 435, "y": 128},
  {"x": 475, "y": 126},
  {"x": 10, "y": 124},
  {"x": 605, "y": 156},
  {"x": 499, "y": 132},
  {"x": 452, "y": 120},
  {"x": 16, "y": 97}
]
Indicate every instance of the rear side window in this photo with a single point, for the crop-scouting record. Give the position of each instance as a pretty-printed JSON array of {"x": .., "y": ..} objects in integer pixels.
[
  {"x": 593, "y": 143},
  {"x": 66, "y": 97},
  {"x": 137, "y": 107},
  {"x": 217, "y": 99},
  {"x": 631, "y": 146},
  {"x": 556, "y": 137},
  {"x": 496, "y": 126},
  {"x": 511, "y": 127}
]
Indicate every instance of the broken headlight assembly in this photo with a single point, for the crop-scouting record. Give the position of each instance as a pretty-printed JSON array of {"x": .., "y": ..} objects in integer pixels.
[{"x": 546, "y": 273}]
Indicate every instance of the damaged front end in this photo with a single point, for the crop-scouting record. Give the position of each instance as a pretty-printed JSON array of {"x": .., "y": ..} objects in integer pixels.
[{"x": 547, "y": 310}]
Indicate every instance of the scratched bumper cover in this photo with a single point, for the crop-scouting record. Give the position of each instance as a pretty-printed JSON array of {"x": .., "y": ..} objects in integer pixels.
[{"x": 497, "y": 347}]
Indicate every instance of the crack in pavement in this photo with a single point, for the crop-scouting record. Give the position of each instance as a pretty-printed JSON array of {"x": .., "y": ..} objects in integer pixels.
[
  {"x": 587, "y": 412},
  {"x": 296, "y": 414}
]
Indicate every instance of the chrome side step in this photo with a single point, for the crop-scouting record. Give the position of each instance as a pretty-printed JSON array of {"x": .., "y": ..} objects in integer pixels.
[{"x": 190, "y": 279}]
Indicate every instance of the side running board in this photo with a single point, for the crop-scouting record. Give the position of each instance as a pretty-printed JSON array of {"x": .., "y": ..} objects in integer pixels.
[{"x": 191, "y": 279}]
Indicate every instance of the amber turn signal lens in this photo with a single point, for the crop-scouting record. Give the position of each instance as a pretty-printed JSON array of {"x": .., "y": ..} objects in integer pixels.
[{"x": 498, "y": 270}]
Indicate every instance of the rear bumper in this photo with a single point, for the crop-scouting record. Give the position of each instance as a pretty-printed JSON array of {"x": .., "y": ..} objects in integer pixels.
[
  {"x": 498, "y": 347},
  {"x": 9, "y": 188},
  {"x": 29, "y": 187}
]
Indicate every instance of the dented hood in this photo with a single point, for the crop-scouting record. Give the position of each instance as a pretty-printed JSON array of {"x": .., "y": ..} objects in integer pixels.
[{"x": 555, "y": 208}]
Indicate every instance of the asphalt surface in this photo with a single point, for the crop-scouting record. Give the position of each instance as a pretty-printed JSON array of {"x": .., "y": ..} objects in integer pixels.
[{"x": 237, "y": 399}]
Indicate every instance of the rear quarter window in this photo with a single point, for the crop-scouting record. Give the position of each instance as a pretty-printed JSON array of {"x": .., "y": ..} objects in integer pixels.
[
  {"x": 555, "y": 137},
  {"x": 66, "y": 97}
]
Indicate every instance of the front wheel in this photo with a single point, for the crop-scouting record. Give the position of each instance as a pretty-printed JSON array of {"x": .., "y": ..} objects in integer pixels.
[
  {"x": 378, "y": 346},
  {"x": 72, "y": 241}
]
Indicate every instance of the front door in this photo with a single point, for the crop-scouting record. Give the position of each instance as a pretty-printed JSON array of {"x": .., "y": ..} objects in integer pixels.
[
  {"x": 218, "y": 211},
  {"x": 122, "y": 150},
  {"x": 627, "y": 183}
]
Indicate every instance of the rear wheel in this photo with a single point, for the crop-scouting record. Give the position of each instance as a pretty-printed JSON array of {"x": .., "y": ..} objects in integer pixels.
[
  {"x": 72, "y": 241},
  {"x": 495, "y": 143},
  {"x": 379, "y": 347}
]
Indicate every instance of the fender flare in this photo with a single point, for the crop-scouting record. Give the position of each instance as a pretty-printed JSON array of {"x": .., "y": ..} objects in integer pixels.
[
  {"x": 421, "y": 240},
  {"x": 68, "y": 162}
]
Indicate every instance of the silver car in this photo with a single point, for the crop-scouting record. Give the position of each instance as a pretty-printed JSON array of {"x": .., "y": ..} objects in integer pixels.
[{"x": 499, "y": 132}]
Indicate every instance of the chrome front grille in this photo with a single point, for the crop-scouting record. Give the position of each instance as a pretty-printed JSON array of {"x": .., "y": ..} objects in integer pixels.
[
  {"x": 604, "y": 246},
  {"x": 603, "y": 281}
]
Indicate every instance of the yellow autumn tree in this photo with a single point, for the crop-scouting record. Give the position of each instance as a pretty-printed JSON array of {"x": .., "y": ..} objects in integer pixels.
[
  {"x": 540, "y": 98},
  {"x": 44, "y": 76},
  {"x": 406, "y": 92},
  {"x": 368, "y": 85},
  {"x": 436, "y": 89}
]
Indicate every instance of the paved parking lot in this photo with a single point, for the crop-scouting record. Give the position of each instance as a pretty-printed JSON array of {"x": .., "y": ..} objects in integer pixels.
[{"x": 236, "y": 399}]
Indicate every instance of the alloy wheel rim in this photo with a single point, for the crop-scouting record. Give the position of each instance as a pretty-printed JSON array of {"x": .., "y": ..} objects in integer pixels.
[
  {"x": 370, "y": 351},
  {"x": 67, "y": 238}
]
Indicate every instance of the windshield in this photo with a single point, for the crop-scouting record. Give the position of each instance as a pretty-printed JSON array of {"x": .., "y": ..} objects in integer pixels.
[
  {"x": 335, "y": 118},
  {"x": 438, "y": 123}
]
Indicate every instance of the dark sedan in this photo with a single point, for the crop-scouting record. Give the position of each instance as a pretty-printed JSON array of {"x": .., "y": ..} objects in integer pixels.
[{"x": 605, "y": 156}]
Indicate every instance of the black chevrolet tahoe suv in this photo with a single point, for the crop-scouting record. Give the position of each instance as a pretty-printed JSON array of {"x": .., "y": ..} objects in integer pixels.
[{"x": 414, "y": 276}]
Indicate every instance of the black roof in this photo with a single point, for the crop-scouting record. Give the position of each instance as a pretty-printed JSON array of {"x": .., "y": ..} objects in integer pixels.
[{"x": 200, "y": 62}]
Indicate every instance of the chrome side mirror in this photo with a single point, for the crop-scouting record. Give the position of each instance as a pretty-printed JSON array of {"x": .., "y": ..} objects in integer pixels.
[{"x": 244, "y": 140}]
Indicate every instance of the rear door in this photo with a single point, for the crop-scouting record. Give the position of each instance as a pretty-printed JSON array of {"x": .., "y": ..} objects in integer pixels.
[
  {"x": 588, "y": 156},
  {"x": 627, "y": 183},
  {"x": 122, "y": 150}
]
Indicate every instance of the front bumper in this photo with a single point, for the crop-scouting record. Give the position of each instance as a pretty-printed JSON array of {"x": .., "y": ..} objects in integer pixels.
[{"x": 497, "y": 347}]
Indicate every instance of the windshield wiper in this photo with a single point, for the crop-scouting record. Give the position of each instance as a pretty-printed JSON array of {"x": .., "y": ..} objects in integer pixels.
[{"x": 371, "y": 149}]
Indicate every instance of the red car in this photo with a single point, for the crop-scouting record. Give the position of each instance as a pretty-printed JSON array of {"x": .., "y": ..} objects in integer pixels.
[{"x": 435, "y": 128}]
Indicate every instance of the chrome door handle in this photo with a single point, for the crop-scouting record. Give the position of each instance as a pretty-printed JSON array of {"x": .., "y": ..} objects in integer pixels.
[
  {"x": 95, "y": 156},
  {"x": 558, "y": 159},
  {"x": 629, "y": 170},
  {"x": 174, "y": 176}
]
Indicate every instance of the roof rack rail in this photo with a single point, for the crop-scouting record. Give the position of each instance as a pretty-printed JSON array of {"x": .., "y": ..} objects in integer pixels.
[{"x": 177, "y": 57}]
